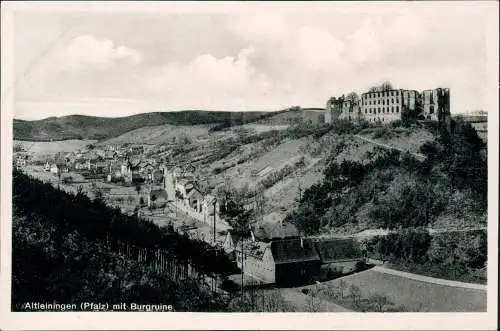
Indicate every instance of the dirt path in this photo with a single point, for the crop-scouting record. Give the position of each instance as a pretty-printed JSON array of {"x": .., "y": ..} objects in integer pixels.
[
  {"x": 371, "y": 141},
  {"x": 428, "y": 279},
  {"x": 299, "y": 301}
]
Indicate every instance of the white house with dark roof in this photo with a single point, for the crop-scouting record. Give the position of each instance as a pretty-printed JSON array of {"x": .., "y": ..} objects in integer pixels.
[{"x": 281, "y": 261}]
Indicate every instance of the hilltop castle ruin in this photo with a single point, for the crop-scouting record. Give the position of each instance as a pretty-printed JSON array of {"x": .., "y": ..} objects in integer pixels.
[{"x": 386, "y": 106}]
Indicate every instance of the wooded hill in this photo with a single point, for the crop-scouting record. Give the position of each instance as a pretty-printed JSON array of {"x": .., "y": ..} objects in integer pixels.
[
  {"x": 70, "y": 249},
  {"x": 390, "y": 189},
  {"x": 101, "y": 128}
]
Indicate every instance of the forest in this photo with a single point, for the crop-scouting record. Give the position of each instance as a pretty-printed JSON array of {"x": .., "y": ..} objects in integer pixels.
[{"x": 68, "y": 249}]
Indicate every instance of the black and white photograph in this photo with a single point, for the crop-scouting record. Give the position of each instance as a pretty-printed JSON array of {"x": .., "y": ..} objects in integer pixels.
[{"x": 249, "y": 158}]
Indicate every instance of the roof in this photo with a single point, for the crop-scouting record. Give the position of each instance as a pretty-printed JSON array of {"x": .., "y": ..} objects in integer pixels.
[
  {"x": 253, "y": 248},
  {"x": 192, "y": 192},
  {"x": 267, "y": 230},
  {"x": 338, "y": 249},
  {"x": 209, "y": 199},
  {"x": 291, "y": 250}
]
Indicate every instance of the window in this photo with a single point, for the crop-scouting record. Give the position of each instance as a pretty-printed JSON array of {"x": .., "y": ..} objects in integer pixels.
[
  {"x": 397, "y": 100},
  {"x": 392, "y": 100},
  {"x": 379, "y": 110},
  {"x": 397, "y": 109},
  {"x": 392, "y": 109},
  {"x": 365, "y": 111},
  {"x": 383, "y": 102},
  {"x": 382, "y": 119}
]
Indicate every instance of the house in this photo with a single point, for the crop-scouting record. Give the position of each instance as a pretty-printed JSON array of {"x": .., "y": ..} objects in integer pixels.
[
  {"x": 194, "y": 199},
  {"x": 267, "y": 231},
  {"x": 47, "y": 166},
  {"x": 281, "y": 261},
  {"x": 131, "y": 170},
  {"x": 209, "y": 210},
  {"x": 183, "y": 186},
  {"x": 58, "y": 167},
  {"x": 54, "y": 169},
  {"x": 114, "y": 171},
  {"x": 233, "y": 239},
  {"x": 110, "y": 155},
  {"x": 136, "y": 150},
  {"x": 101, "y": 153},
  {"x": 341, "y": 254},
  {"x": 81, "y": 164}
]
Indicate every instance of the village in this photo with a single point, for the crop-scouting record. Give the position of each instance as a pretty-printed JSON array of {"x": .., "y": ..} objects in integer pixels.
[{"x": 139, "y": 180}]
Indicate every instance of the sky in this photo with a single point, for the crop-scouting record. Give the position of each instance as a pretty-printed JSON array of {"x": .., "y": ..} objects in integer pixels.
[{"x": 120, "y": 62}]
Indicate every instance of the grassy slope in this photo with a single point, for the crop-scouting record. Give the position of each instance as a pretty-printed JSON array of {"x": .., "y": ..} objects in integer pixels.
[
  {"x": 415, "y": 295},
  {"x": 88, "y": 127}
]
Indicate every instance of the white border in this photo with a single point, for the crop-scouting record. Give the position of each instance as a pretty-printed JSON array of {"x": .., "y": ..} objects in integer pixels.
[{"x": 292, "y": 321}]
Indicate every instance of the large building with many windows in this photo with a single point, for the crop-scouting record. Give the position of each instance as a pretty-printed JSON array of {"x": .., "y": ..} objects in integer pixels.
[{"x": 388, "y": 106}]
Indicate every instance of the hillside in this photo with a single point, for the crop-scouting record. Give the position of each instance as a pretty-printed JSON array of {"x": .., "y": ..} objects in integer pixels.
[
  {"x": 479, "y": 120},
  {"x": 421, "y": 181},
  {"x": 100, "y": 128},
  {"x": 83, "y": 251}
]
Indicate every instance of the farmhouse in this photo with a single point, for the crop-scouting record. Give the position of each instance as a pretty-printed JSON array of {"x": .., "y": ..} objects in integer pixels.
[{"x": 281, "y": 261}]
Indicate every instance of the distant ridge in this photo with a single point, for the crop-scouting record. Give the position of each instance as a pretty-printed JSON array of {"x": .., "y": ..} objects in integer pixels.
[{"x": 101, "y": 128}]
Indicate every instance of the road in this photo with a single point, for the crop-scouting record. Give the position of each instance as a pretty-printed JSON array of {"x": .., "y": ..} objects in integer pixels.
[{"x": 428, "y": 279}]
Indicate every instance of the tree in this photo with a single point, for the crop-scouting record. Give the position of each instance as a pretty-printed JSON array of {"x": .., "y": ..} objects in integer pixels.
[
  {"x": 353, "y": 97},
  {"x": 386, "y": 86},
  {"x": 355, "y": 293},
  {"x": 314, "y": 304},
  {"x": 342, "y": 288},
  {"x": 379, "y": 300}
]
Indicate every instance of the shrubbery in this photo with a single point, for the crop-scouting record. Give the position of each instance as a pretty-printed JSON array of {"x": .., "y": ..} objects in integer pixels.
[
  {"x": 400, "y": 190},
  {"x": 453, "y": 255}
]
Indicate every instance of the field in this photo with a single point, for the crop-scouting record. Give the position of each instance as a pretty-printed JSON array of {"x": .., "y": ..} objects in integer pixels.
[
  {"x": 53, "y": 147},
  {"x": 414, "y": 295},
  {"x": 161, "y": 134}
]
